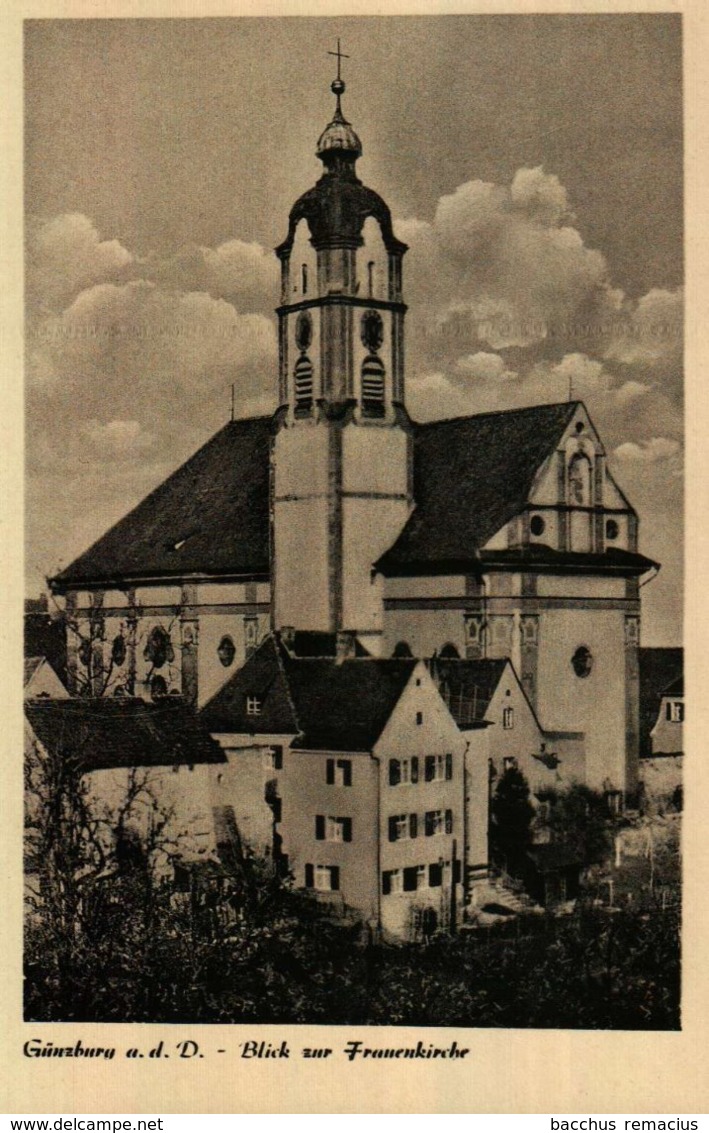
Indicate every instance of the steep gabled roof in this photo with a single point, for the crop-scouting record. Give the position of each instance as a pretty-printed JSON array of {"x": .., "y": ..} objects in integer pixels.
[
  {"x": 327, "y": 706},
  {"x": 471, "y": 476},
  {"x": 659, "y": 668},
  {"x": 209, "y": 517},
  {"x": 107, "y": 733}
]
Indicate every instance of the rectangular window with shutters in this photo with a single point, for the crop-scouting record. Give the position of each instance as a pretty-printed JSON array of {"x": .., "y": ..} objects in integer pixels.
[
  {"x": 392, "y": 881},
  {"x": 325, "y": 878},
  {"x": 403, "y": 771},
  {"x": 675, "y": 711},
  {"x": 402, "y": 826},
  {"x": 331, "y": 829},
  {"x": 338, "y": 772},
  {"x": 438, "y": 767},
  {"x": 438, "y": 822},
  {"x": 411, "y": 879}
]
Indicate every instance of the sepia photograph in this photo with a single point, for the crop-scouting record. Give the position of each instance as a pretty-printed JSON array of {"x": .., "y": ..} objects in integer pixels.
[{"x": 353, "y": 647}]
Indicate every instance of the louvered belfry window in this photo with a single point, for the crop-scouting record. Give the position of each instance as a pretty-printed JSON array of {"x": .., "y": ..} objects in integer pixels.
[
  {"x": 373, "y": 386},
  {"x": 303, "y": 378}
]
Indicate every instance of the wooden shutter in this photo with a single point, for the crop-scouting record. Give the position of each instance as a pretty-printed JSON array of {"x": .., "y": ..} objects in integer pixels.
[
  {"x": 430, "y": 768},
  {"x": 414, "y": 769},
  {"x": 428, "y": 823},
  {"x": 449, "y": 766},
  {"x": 346, "y": 829},
  {"x": 330, "y": 774},
  {"x": 392, "y": 828},
  {"x": 413, "y": 825},
  {"x": 309, "y": 879},
  {"x": 435, "y": 875},
  {"x": 449, "y": 822},
  {"x": 320, "y": 827},
  {"x": 277, "y": 758},
  {"x": 456, "y": 871},
  {"x": 410, "y": 878},
  {"x": 346, "y": 766},
  {"x": 334, "y": 877},
  {"x": 386, "y": 882},
  {"x": 394, "y": 772}
]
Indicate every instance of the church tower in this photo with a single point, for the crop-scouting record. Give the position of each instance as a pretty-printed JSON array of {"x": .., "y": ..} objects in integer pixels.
[{"x": 342, "y": 453}]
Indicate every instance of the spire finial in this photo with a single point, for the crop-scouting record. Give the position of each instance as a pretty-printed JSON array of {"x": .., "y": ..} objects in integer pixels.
[{"x": 338, "y": 86}]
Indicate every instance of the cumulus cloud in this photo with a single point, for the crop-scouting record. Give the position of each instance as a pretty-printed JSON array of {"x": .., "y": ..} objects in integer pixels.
[
  {"x": 648, "y": 452},
  {"x": 65, "y": 254}
]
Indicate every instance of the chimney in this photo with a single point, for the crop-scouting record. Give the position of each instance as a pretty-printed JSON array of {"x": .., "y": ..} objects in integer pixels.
[{"x": 344, "y": 646}]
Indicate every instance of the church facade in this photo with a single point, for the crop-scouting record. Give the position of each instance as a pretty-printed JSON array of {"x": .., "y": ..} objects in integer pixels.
[{"x": 501, "y": 536}]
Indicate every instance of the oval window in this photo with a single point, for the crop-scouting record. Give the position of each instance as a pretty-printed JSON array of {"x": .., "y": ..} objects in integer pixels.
[
  {"x": 159, "y": 648},
  {"x": 582, "y": 661},
  {"x": 303, "y": 331},
  {"x": 537, "y": 525},
  {"x": 612, "y": 529},
  {"x": 226, "y": 651}
]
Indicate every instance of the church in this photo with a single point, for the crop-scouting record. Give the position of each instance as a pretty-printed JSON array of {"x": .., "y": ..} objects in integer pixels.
[{"x": 367, "y": 602}]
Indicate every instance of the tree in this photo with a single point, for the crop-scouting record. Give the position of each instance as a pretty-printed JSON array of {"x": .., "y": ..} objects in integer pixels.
[
  {"x": 511, "y": 814},
  {"x": 579, "y": 818}
]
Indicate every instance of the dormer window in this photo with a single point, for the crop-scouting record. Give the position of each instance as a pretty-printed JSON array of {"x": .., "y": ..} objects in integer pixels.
[{"x": 254, "y": 705}]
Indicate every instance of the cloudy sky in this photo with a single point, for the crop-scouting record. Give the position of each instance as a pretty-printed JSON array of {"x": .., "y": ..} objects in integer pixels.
[{"x": 532, "y": 163}]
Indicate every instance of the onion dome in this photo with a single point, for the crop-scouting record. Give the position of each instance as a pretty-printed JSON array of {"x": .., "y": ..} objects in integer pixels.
[
  {"x": 338, "y": 205},
  {"x": 338, "y": 136}
]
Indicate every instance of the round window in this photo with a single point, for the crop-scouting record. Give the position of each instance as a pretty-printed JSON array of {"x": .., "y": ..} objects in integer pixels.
[
  {"x": 582, "y": 661},
  {"x": 226, "y": 651},
  {"x": 537, "y": 525},
  {"x": 372, "y": 330},
  {"x": 612, "y": 529},
  {"x": 303, "y": 331}
]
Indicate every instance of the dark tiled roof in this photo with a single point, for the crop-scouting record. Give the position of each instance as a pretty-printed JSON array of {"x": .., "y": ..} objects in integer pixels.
[
  {"x": 327, "y": 706},
  {"x": 107, "y": 733},
  {"x": 45, "y": 636},
  {"x": 31, "y": 666},
  {"x": 263, "y": 676},
  {"x": 659, "y": 668},
  {"x": 675, "y": 688},
  {"x": 467, "y": 686},
  {"x": 208, "y": 517},
  {"x": 471, "y": 476}
]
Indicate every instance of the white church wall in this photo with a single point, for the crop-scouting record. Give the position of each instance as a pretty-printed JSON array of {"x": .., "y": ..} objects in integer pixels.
[
  {"x": 302, "y": 564},
  {"x": 241, "y": 783},
  {"x": 574, "y": 586},
  {"x": 366, "y": 533},
  {"x": 442, "y": 586},
  {"x": 372, "y": 282},
  {"x": 425, "y": 631},
  {"x": 594, "y": 704}
]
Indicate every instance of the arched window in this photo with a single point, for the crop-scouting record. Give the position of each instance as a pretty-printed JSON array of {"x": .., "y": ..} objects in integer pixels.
[
  {"x": 373, "y": 386},
  {"x": 303, "y": 379},
  {"x": 580, "y": 480},
  {"x": 158, "y": 687},
  {"x": 402, "y": 649},
  {"x": 449, "y": 652}
]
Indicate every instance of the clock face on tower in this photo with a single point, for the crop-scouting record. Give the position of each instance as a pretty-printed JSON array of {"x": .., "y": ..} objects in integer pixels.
[
  {"x": 303, "y": 331},
  {"x": 372, "y": 330}
]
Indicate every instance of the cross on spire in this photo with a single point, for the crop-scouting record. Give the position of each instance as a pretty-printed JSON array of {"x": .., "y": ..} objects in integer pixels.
[
  {"x": 338, "y": 85},
  {"x": 340, "y": 56}
]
